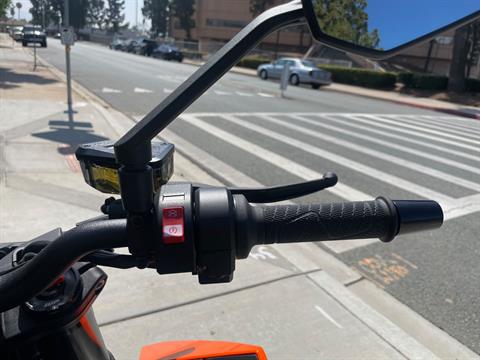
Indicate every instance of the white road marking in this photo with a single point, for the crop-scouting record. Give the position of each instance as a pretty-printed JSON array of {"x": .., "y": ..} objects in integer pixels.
[
  {"x": 444, "y": 130},
  {"x": 142, "y": 91},
  {"x": 107, "y": 90},
  {"x": 172, "y": 78},
  {"x": 243, "y": 93},
  {"x": 459, "y": 121},
  {"x": 265, "y": 95},
  {"x": 377, "y": 154},
  {"x": 167, "y": 91},
  {"x": 341, "y": 190},
  {"x": 450, "y": 124},
  {"x": 401, "y": 138},
  {"x": 343, "y": 161},
  {"x": 374, "y": 119},
  {"x": 222, "y": 93},
  {"x": 464, "y": 206},
  {"x": 376, "y": 140},
  {"x": 328, "y": 317}
]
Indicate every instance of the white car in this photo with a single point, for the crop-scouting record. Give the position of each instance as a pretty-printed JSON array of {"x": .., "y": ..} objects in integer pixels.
[{"x": 300, "y": 72}]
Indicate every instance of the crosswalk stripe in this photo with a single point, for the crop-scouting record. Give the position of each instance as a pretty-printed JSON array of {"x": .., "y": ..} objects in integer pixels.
[
  {"x": 401, "y": 138},
  {"x": 343, "y": 161},
  {"x": 465, "y": 133},
  {"x": 437, "y": 133},
  {"x": 428, "y": 119},
  {"x": 374, "y": 120},
  {"x": 460, "y": 121},
  {"x": 341, "y": 190},
  {"x": 464, "y": 206},
  {"x": 473, "y": 169}
]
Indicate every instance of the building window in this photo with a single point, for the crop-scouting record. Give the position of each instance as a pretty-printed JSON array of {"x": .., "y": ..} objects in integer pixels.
[{"x": 226, "y": 23}]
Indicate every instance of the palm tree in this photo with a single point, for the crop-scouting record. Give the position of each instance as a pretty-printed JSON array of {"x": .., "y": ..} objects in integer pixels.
[{"x": 19, "y": 6}]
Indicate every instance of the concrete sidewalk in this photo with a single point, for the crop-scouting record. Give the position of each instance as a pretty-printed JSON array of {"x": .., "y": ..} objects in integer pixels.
[
  {"x": 295, "y": 300},
  {"x": 391, "y": 96}
]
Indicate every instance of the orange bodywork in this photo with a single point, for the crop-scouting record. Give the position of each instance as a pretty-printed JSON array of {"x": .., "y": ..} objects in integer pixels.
[{"x": 198, "y": 349}]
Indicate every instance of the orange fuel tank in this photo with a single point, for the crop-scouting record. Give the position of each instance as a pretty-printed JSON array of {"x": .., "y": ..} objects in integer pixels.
[{"x": 202, "y": 350}]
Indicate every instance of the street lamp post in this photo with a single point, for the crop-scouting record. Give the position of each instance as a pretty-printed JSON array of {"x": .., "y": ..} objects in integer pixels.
[{"x": 66, "y": 24}]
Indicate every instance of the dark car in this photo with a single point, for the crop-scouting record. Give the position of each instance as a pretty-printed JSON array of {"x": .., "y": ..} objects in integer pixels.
[
  {"x": 128, "y": 45},
  {"x": 168, "y": 52},
  {"x": 117, "y": 44},
  {"x": 144, "y": 47},
  {"x": 34, "y": 34}
]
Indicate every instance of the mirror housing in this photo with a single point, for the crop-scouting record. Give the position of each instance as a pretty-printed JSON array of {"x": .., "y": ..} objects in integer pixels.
[{"x": 375, "y": 54}]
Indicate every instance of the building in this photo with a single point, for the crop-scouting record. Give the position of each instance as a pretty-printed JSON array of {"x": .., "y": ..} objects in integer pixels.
[{"x": 216, "y": 22}]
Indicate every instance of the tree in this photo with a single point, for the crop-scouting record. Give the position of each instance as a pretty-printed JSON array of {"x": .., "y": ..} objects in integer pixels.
[
  {"x": 183, "y": 10},
  {"x": 259, "y": 6},
  {"x": 347, "y": 20},
  {"x": 96, "y": 13},
  {"x": 53, "y": 11},
  {"x": 465, "y": 44},
  {"x": 114, "y": 14},
  {"x": 158, "y": 12},
  {"x": 4, "y": 5},
  {"x": 78, "y": 13},
  {"x": 473, "y": 45},
  {"x": 18, "y": 6}
]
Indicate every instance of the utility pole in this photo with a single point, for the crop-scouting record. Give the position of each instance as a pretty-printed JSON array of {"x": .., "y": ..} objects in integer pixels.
[{"x": 66, "y": 24}]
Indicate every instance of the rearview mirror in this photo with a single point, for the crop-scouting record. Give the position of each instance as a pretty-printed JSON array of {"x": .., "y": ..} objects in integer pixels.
[{"x": 380, "y": 29}]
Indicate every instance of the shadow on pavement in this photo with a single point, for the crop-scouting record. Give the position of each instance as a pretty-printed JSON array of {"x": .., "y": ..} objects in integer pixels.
[
  {"x": 69, "y": 135},
  {"x": 11, "y": 79}
]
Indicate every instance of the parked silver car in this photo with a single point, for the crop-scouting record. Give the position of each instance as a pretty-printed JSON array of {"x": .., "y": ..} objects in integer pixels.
[{"x": 300, "y": 72}]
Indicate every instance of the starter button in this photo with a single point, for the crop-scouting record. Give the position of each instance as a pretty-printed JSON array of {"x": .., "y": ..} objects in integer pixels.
[{"x": 173, "y": 225}]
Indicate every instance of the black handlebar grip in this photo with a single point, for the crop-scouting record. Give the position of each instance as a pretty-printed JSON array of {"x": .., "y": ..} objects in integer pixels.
[{"x": 330, "y": 221}]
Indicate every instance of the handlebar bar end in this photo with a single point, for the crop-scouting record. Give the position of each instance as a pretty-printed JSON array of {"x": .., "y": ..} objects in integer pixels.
[{"x": 418, "y": 215}]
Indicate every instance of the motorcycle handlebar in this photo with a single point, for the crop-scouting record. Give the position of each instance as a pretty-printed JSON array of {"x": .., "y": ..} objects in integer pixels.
[{"x": 253, "y": 225}]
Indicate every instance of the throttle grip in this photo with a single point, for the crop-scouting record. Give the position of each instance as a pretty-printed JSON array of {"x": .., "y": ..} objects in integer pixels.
[
  {"x": 331, "y": 221},
  {"x": 381, "y": 218}
]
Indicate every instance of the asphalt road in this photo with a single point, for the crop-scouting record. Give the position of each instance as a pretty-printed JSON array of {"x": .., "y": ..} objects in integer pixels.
[{"x": 375, "y": 147}]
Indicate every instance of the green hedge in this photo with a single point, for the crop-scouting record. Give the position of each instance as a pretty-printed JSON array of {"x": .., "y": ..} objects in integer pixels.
[
  {"x": 423, "y": 81},
  {"x": 361, "y": 77},
  {"x": 253, "y": 62},
  {"x": 473, "y": 85}
]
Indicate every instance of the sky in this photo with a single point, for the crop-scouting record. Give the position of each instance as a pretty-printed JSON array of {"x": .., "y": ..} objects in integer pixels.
[
  {"x": 130, "y": 6},
  {"x": 413, "y": 18}
]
